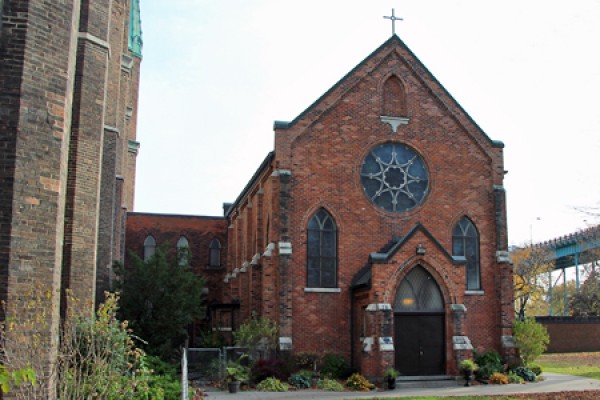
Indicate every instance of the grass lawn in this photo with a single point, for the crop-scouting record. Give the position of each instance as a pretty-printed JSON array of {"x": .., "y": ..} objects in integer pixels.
[
  {"x": 580, "y": 364},
  {"x": 453, "y": 398}
]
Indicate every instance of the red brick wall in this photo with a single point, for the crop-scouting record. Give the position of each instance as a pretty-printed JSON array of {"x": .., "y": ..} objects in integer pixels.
[
  {"x": 572, "y": 334},
  {"x": 167, "y": 229}
]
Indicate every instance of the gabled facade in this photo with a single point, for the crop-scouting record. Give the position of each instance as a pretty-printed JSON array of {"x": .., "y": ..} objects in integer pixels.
[{"x": 376, "y": 229}]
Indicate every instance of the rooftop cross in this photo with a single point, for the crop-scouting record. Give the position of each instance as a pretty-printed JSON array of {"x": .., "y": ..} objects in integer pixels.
[{"x": 393, "y": 18}]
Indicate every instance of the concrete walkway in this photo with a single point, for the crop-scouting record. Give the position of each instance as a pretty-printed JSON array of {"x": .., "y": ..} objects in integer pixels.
[{"x": 551, "y": 383}]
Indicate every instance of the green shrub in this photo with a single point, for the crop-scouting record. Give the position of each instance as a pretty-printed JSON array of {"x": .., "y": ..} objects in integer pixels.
[
  {"x": 468, "y": 365},
  {"x": 308, "y": 361},
  {"x": 272, "y": 385},
  {"x": 498, "y": 379},
  {"x": 334, "y": 366},
  {"x": 15, "y": 378},
  {"x": 299, "y": 381},
  {"x": 160, "y": 367},
  {"x": 164, "y": 383},
  {"x": 330, "y": 385},
  {"x": 488, "y": 362},
  {"x": 531, "y": 338},
  {"x": 514, "y": 378},
  {"x": 359, "y": 383},
  {"x": 259, "y": 335},
  {"x": 537, "y": 370},
  {"x": 305, "y": 373},
  {"x": 525, "y": 373}
]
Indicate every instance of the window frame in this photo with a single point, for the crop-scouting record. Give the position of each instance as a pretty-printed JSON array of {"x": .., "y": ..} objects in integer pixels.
[
  {"x": 473, "y": 262},
  {"x": 149, "y": 248},
  {"x": 183, "y": 251},
  {"x": 212, "y": 250},
  {"x": 321, "y": 217}
]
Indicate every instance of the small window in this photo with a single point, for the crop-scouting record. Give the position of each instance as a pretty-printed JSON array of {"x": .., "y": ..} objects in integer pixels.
[
  {"x": 214, "y": 258},
  {"x": 322, "y": 251},
  {"x": 183, "y": 251},
  {"x": 149, "y": 247},
  {"x": 394, "y": 98},
  {"x": 465, "y": 242}
]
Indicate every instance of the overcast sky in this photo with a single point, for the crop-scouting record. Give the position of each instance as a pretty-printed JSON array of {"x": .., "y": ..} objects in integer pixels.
[{"x": 216, "y": 74}]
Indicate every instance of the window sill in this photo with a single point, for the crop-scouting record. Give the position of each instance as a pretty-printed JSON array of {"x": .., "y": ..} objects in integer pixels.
[
  {"x": 322, "y": 290},
  {"x": 215, "y": 267},
  {"x": 474, "y": 292}
]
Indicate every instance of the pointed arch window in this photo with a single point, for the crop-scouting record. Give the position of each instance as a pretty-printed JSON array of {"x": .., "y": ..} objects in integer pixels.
[
  {"x": 214, "y": 257},
  {"x": 183, "y": 251},
  {"x": 419, "y": 292},
  {"x": 465, "y": 242},
  {"x": 394, "y": 98},
  {"x": 322, "y": 251},
  {"x": 149, "y": 247}
]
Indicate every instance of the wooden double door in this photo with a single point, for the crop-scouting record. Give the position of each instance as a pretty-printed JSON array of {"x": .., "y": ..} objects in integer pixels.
[
  {"x": 419, "y": 325},
  {"x": 420, "y": 344}
]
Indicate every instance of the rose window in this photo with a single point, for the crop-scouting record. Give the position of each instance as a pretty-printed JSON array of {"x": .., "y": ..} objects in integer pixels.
[{"x": 394, "y": 177}]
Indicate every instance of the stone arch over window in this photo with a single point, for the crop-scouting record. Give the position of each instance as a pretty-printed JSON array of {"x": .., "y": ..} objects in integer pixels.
[
  {"x": 214, "y": 253},
  {"x": 394, "y": 98},
  {"x": 183, "y": 251},
  {"x": 149, "y": 247},
  {"x": 321, "y": 268},
  {"x": 465, "y": 242}
]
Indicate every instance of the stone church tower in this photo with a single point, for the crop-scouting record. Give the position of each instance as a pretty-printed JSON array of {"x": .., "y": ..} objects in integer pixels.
[
  {"x": 69, "y": 77},
  {"x": 375, "y": 229}
]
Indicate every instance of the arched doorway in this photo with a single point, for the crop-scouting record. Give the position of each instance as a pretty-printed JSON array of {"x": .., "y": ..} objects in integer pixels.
[{"x": 419, "y": 325}]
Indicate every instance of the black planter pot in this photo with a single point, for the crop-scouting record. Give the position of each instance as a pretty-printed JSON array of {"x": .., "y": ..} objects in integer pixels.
[
  {"x": 391, "y": 383},
  {"x": 234, "y": 386},
  {"x": 469, "y": 377}
]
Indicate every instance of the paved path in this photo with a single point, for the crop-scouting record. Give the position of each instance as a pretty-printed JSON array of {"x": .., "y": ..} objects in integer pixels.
[{"x": 551, "y": 383}]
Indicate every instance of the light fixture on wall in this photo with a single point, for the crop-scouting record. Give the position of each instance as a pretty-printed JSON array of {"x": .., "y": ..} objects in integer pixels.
[{"x": 421, "y": 250}]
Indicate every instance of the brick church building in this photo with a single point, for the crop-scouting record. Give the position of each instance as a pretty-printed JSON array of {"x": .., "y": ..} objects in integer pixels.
[
  {"x": 69, "y": 78},
  {"x": 375, "y": 229}
]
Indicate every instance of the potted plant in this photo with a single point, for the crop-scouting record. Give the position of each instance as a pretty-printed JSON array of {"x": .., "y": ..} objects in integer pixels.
[
  {"x": 236, "y": 373},
  {"x": 468, "y": 367},
  {"x": 390, "y": 376}
]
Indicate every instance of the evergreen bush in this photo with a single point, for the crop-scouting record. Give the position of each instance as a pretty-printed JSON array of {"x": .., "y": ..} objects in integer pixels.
[
  {"x": 488, "y": 362},
  {"x": 334, "y": 366}
]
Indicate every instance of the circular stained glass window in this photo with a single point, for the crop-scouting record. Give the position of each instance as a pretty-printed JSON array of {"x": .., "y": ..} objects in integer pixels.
[{"x": 394, "y": 177}]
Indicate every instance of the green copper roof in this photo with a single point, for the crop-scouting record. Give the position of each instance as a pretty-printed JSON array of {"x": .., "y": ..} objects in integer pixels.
[{"x": 135, "y": 29}]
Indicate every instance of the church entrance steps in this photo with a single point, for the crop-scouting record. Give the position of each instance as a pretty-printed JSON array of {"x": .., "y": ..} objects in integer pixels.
[{"x": 426, "y": 381}]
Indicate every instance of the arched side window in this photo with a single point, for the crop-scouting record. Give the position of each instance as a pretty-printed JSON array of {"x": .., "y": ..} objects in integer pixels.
[
  {"x": 214, "y": 257},
  {"x": 465, "y": 242},
  {"x": 394, "y": 98},
  {"x": 321, "y": 269},
  {"x": 183, "y": 251},
  {"x": 149, "y": 247}
]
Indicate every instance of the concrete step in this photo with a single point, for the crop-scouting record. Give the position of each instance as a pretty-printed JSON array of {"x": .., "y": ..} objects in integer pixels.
[{"x": 427, "y": 381}]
